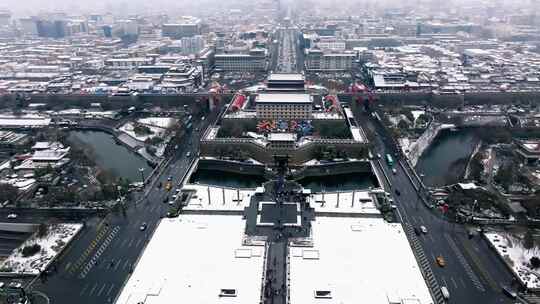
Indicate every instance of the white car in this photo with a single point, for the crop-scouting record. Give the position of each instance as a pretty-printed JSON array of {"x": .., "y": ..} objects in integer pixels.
[
  {"x": 423, "y": 229},
  {"x": 12, "y": 216}
]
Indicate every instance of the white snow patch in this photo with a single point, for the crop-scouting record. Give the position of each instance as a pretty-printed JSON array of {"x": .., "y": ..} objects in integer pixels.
[
  {"x": 52, "y": 244},
  {"x": 160, "y": 122},
  {"x": 157, "y": 125},
  {"x": 510, "y": 248}
]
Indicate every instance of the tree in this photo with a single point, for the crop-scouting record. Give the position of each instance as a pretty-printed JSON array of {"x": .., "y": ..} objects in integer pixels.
[
  {"x": 39, "y": 172},
  {"x": 140, "y": 129},
  {"x": 42, "y": 230},
  {"x": 62, "y": 195},
  {"x": 154, "y": 141},
  {"x": 528, "y": 240},
  {"x": 422, "y": 119},
  {"x": 535, "y": 262},
  {"x": 403, "y": 125},
  {"x": 505, "y": 175},
  {"x": 30, "y": 250},
  {"x": 8, "y": 193}
]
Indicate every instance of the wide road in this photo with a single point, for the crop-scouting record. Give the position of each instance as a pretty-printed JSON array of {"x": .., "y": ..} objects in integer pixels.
[
  {"x": 473, "y": 273},
  {"x": 287, "y": 51},
  {"x": 97, "y": 264}
]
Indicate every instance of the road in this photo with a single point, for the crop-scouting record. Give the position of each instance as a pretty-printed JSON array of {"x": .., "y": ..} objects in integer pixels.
[
  {"x": 287, "y": 52},
  {"x": 473, "y": 273},
  {"x": 96, "y": 265}
]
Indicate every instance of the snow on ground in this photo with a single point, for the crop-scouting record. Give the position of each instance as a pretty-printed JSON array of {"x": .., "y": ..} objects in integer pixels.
[
  {"x": 161, "y": 122},
  {"x": 357, "y": 202},
  {"x": 217, "y": 198},
  {"x": 417, "y": 114},
  {"x": 128, "y": 129},
  {"x": 405, "y": 143},
  {"x": 510, "y": 248},
  {"x": 51, "y": 245},
  {"x": 158, "y": 126},
  {"x": 356, "y": 260},
  {"x": 196, "y": 259}
]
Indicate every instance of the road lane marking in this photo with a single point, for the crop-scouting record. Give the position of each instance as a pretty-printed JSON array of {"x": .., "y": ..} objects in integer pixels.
[
  {"x": 130, "y": 243},
  {"x": 84, "y": 289},
  {"x": 116, "y": 265},
  {"x": 444, "y": 281},
  {"x": 110, "y": 289},
  {"x": 101, "y": 290},
  {"x": 468, "y": 270},
  {"x": 93, "y": 288},
  {"x": 138, "y": 243},
  {"x": 454, "y": 282},
  {"x": 125, "y": 265}
]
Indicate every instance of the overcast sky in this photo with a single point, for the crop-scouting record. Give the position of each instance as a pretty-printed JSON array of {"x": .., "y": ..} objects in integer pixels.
[{"x": 29, "y": 7}]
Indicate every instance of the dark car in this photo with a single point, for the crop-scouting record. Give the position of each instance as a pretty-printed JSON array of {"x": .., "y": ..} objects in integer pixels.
[
  {"x": 416, "y": 231},
  {"x": 509, "y": 292},
  {"x": 397, "y": 192},
  {"x": 166, "y": 199}
]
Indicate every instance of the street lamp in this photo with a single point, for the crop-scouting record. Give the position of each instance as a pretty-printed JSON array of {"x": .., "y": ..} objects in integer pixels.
[{"x": 141, "y": 170}]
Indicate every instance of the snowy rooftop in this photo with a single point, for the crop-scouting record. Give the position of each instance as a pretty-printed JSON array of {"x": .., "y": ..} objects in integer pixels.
[
  {"x": 25, "y": 120},
  {"x": 511, "y": 249},
  {"x": 193, "y": 258},
  {"x": 281, "y": 137},
  {"x": 283, "y": 98},
  {"x": 356, "y": 267},
  {"x": 285, "y": 77},
  {"x": 215, "y": 198},
  {"x": 357, "y": 134},
  {"x": 361, "y": 202}
]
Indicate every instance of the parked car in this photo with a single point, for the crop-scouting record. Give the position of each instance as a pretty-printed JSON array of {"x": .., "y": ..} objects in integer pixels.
[
  {"x": 12, "y": 216},
  {"x": 423, "y": 229}
]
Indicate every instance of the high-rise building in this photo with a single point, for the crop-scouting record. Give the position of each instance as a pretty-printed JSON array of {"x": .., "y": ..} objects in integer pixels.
[
  {"x": 5, "y": 18},
  {"x": 317, "y": 60},
  {"x": 192, "y": 45},
  {"x": 28, "y": 26},
  {"x": 51, "y": 28}
]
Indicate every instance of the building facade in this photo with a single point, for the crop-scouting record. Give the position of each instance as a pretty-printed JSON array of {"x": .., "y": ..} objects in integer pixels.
[
  {"x": 316, "y": 60},
  {"x": 240, "y": 62},
  {"x": 283, "y": 106}
]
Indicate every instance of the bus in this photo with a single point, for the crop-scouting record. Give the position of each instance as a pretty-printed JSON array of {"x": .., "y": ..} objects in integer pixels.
[{"x": 389, "y": 160}]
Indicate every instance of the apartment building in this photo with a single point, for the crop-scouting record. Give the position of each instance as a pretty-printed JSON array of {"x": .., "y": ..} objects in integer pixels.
[{"x": 317, "y": 60}]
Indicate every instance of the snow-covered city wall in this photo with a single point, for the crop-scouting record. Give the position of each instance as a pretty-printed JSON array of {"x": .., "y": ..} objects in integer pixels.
[{"x": 417, "y": 148}]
